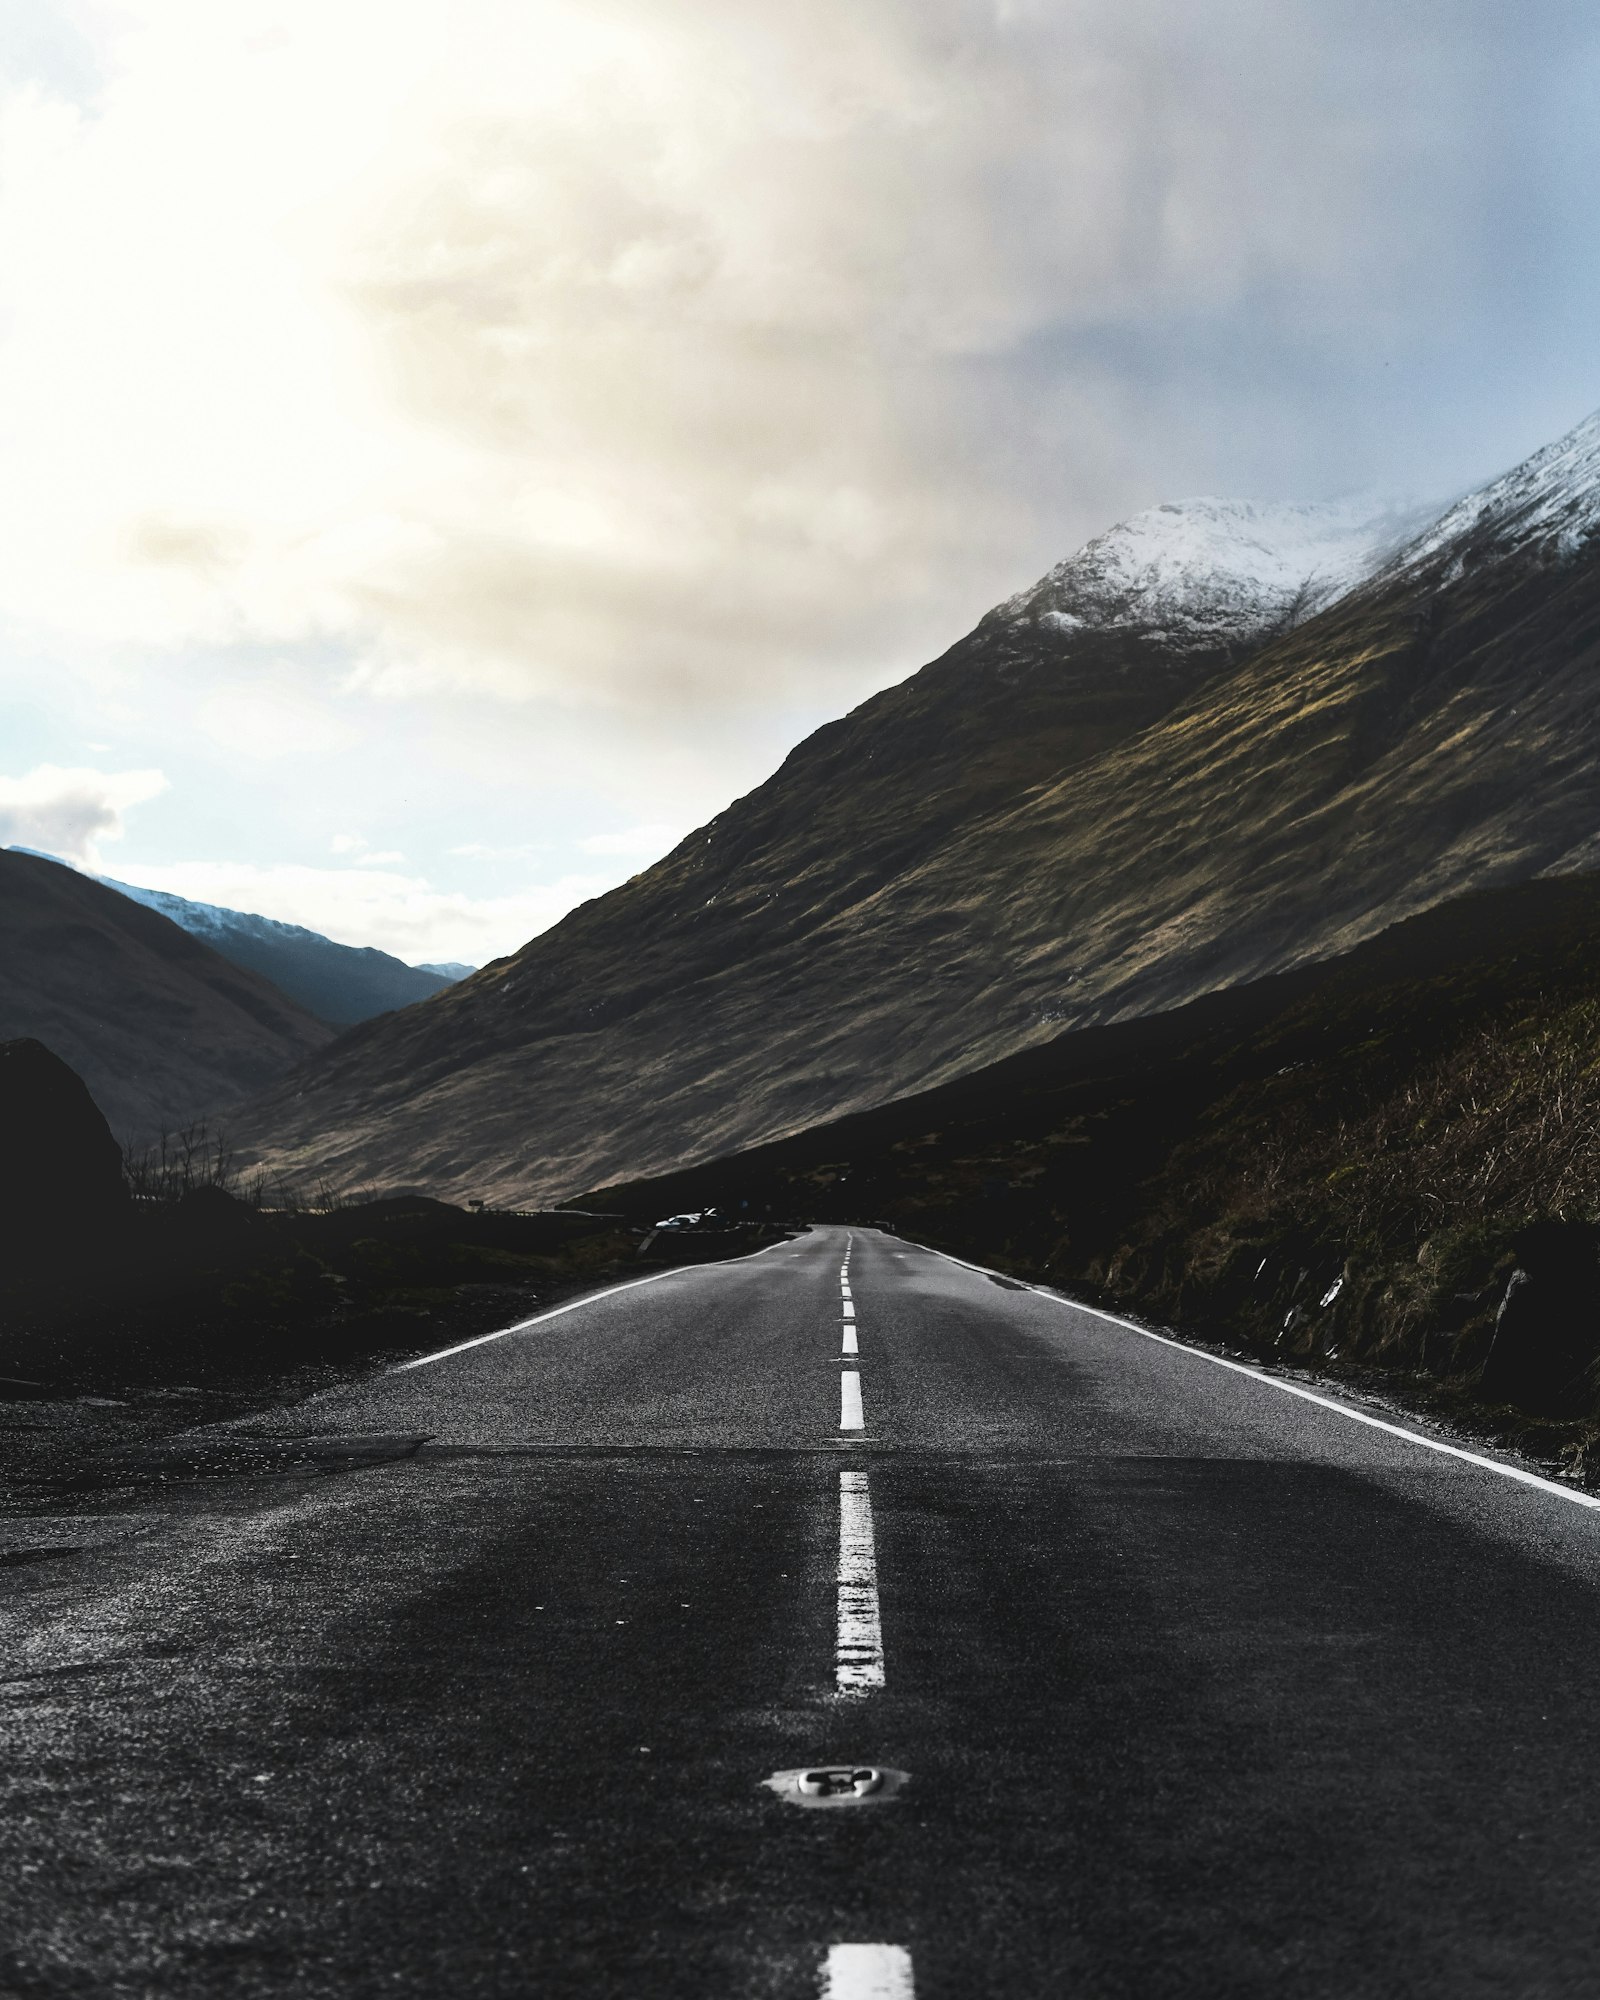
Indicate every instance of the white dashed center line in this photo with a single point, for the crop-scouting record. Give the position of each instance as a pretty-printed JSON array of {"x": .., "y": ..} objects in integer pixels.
[
  {"x": 867, "y": 1972},
  {"x": 859, "y": 1662},
  {"x": 851, "y": 1416},
  {"x": 848, "y": 1307},
  {"x": 850, "y": 1346}
]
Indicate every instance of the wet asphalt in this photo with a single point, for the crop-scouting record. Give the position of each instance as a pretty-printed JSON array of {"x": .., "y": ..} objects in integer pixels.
[{"x": 464, "y": 1682}]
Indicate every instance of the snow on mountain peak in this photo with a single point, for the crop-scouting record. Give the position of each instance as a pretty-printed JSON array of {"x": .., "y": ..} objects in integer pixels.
[
  {"x": 1552, "y": 498},
  {"x": 1207, "y": 571}
]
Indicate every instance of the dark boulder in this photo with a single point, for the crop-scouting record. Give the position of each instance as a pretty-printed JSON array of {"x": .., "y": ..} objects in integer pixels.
[
  {"x": 1547, "y": 1332},
  {"x": 60, "y": 1168}
]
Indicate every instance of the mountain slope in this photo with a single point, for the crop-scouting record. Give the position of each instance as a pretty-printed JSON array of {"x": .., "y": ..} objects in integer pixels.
[
  {"x": 1346, "y": 1162},
  {"x": 1052, "y": 1150},
  {"x": 341, "y": 983},
  {"x": 721, "y": 995},
  {"x": 159, "y": 1027}
]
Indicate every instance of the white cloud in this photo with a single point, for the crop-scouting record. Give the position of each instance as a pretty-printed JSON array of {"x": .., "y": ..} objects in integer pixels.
[
  {"x": 646, "y": 843},
  {"x": 265, "y": 719},
  {"x": 69, "y": 812},
  {"x": 471, "y": 420},
  {"x": 402, "y": 914},
  {"x": 671, "y": 352}
]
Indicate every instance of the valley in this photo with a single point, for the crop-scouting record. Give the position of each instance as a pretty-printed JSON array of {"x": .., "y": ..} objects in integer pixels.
[{"x": 1066, "y": 1218}]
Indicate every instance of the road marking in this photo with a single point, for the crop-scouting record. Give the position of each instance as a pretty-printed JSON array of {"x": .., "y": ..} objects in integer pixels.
[
  {"x": 850, "y": 1346},
  {"x": 867, "y": 1972},
  {"x": 1515, "y": 1472},
  {"x": 572, "y": 1305},
  {"x": 858, "y": 1661},
  {"x": 848, "y": 1307},
  {"x": 851, "y": 1417}
]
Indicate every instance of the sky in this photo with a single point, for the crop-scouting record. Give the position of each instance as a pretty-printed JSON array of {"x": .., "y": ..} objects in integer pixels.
[{"x": 453, "y": 447}]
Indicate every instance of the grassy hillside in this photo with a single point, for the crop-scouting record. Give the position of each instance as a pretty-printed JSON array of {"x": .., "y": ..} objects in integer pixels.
[{"x": 1345, "y": 1165}]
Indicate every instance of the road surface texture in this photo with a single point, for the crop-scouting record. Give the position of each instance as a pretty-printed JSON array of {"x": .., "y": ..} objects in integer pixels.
[{"x": 467, "y": 1682}]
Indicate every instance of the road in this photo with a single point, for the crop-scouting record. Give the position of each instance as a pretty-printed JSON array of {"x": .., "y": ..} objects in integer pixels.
[{"x": 466, "y": 1681}]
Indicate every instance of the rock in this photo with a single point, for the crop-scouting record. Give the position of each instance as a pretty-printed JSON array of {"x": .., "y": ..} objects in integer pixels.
[
  {"x": 60, "y": 1168},
  {"x": 1547, "y": 1332}
]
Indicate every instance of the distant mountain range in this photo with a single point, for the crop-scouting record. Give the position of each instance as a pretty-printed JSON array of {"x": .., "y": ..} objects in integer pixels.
[
  {"x": 159, "y": 1026},
  {"x": 1219, "y": 742},
  {"x": 341, "y": 983}
]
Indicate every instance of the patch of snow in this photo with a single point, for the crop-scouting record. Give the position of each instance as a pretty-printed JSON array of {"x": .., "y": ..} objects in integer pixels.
[
  {"x": 214, "y": 925},
  {"x": 1551, "y": 498},
  {"x": 1210, "y": 571},
  {"x": 207, "y": 920}
]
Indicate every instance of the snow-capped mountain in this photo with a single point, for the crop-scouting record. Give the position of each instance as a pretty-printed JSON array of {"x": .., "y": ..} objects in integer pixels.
[
  {"x": 1203, "y": 572},
  {"x": 1219, "y": 741},
  {"x": 341, "y": 983},
  {"x": 1549, "y": 505}
]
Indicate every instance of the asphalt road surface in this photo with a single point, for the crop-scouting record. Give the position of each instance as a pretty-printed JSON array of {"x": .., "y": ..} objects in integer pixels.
[{"x": 468, "y": 1681}]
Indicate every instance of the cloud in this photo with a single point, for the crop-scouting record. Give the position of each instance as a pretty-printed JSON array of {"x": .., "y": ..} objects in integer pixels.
[
  {"x": 69, "y": 812},
  {"x": 662, "y": 356},
  {"x": 263, "y": 718},
  {"x": 644, "y": 843},
  {"x": 402, "y": 914}
]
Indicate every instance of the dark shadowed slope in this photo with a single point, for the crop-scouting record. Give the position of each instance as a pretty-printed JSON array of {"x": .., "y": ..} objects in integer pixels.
[
  {"x": 1314, "y": 1043},
  {"x": 159, "y": 1027},
  {"x": 950, "y": 875}
]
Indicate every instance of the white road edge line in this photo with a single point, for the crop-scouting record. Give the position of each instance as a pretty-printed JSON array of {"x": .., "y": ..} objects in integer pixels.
[
  {"x": 858, "y": 1657},
  {"x": 851, "y": 1415},
  {"x": 572, "y": 1305},
  {"x": 850, "y": 1346},
  {"x": 1514, "y": 1472},
  {"x": 867, "y": 1972}
]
